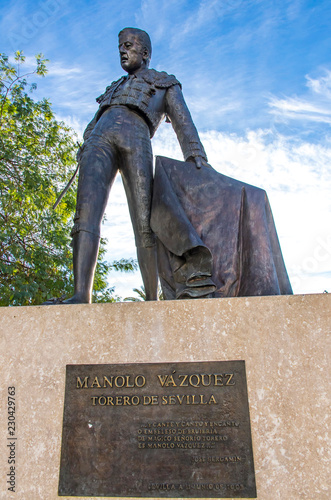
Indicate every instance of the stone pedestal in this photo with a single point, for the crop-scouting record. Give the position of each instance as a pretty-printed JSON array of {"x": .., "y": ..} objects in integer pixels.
[{"x": 283, "y": 340}]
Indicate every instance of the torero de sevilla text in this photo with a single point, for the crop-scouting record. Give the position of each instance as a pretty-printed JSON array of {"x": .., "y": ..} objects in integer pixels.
[{"x": 174, "y": 399}]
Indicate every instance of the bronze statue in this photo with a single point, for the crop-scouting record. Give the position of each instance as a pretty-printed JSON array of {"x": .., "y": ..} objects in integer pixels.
[
  {"x": 208, "y": 246},
  {"x": 118, "y": 139}
]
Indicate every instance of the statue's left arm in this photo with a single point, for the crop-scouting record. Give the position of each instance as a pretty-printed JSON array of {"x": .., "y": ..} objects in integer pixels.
[{"x": 181, "y": 120}]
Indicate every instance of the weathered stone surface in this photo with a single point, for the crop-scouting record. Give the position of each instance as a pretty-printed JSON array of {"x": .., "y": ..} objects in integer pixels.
[{"x": 284, "y": 341}]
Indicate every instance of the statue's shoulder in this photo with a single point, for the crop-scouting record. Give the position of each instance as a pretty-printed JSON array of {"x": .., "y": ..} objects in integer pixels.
[
  {"x": 160, "y": 79},
  {"x": 109, "y": 89}
]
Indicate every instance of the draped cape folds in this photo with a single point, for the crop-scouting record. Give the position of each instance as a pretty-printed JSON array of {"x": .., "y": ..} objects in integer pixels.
[{"x": 216, "y": 236}]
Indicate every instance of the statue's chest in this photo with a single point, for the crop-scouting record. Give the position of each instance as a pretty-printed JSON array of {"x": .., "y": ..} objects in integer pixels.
[{"x": 133, "y": 91}]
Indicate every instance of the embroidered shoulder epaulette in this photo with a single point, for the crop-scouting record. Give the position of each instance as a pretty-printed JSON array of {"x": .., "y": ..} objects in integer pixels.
[{"x": 160, "y": 79}]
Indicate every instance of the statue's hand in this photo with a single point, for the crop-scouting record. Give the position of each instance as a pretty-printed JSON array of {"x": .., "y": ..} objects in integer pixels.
[{"x": 199, "y": 161}]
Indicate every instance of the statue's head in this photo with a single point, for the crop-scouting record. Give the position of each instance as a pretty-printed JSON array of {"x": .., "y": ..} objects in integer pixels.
[{"x": 135, "y": 49}]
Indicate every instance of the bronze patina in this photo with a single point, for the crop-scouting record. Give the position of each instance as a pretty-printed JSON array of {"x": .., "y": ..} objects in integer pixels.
[
  {"x": 118, "y": 139},
  {"x": 157, "y": 430},
  {"x": 228, "y": 244},
  {"x": 205, "y": 234}
]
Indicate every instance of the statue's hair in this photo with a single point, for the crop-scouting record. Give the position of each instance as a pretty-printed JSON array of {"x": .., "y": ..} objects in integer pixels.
[{"x": 143, "y": 38}]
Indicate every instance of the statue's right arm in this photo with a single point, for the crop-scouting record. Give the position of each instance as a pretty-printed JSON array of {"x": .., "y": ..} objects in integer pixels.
[{"x": 181, "y": 120}]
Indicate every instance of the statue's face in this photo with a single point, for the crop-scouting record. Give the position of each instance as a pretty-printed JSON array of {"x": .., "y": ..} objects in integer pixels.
[{"x": 132, "y": 55}]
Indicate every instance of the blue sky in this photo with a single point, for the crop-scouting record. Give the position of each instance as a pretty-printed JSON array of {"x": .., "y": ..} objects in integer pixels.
[{"x": 256, "y": 75}]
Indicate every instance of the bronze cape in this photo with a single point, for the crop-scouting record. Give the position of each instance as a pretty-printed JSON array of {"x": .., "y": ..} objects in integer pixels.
[{"x": 216, "y": 236}]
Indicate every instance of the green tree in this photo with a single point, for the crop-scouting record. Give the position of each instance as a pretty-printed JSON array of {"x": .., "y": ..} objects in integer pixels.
[{"x": 37, "y": 158}]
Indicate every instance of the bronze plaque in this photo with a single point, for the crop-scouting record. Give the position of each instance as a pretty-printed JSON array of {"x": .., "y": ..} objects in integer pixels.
[{"x": 157, "y": 430}]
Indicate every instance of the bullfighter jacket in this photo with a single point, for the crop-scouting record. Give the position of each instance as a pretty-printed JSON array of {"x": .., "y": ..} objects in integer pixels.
[{"x": 154, "y": 95}]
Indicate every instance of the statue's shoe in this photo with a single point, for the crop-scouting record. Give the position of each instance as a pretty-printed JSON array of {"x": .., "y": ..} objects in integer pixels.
[
  {"x": 54, "y": 301},
  {"x": 62, "y": 300}
]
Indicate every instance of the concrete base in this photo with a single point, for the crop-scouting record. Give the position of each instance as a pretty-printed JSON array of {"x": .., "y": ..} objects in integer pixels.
[{"x": 284, "y": 341}]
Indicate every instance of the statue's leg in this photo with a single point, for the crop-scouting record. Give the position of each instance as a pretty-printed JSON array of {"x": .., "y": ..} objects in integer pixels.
[
  {"x": 96, "y": 176},
  {"x": 148, "y": 267},
  {"x": 85, "y": 254},
  {"x": 137, "y": 174}
]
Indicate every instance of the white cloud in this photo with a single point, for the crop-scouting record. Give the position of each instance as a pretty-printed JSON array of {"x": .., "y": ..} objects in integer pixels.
[
  {"x": 321, "y": 85},
  {"x": 295, "y": 105},
  {"x": 315, "y": 106},
  {"x": 57, "y": 69}
]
